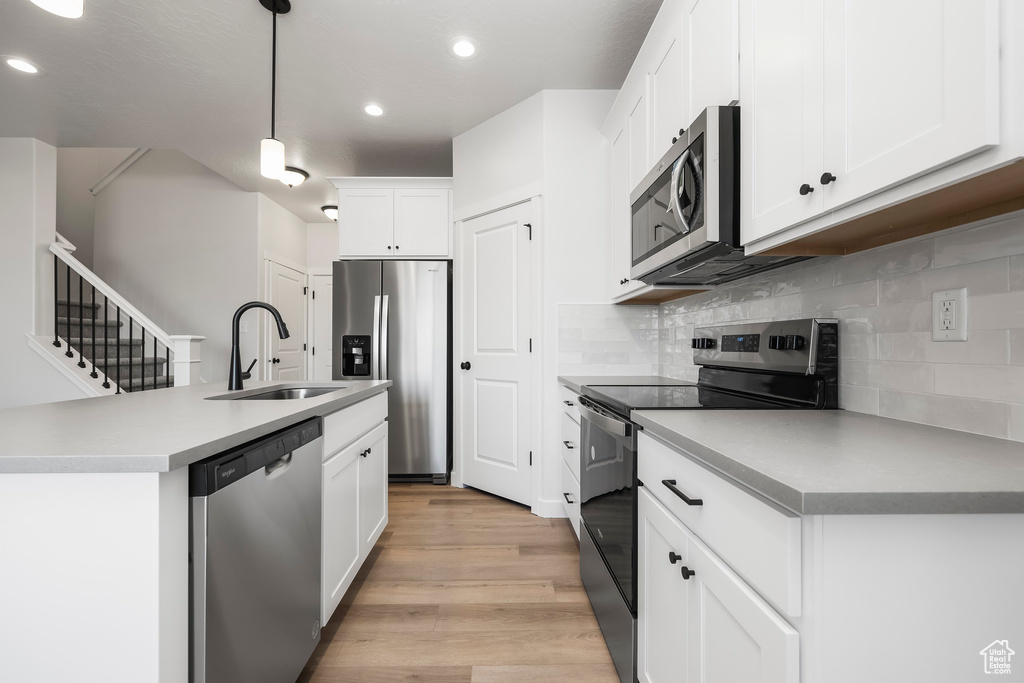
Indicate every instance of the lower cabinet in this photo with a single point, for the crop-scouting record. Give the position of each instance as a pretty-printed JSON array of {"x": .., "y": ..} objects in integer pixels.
[
  {"x": 354, "y": 507},
  {"x": 570, "y": 450},
  {"x": 699, "y": 622}
]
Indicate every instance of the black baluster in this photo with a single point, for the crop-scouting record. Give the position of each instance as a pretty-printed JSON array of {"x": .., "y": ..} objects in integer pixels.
[
  {"x": 106, "y": 345},
  {"x": 131, "y": 349},
  {"x": 154, "y": 361},
  {"x": 81, "y": 325},
  {"x": 67, "y": 290},
  {"x": 56, "y": 286},
  {"x": 93, "y": 374},
  {"x": 117, "y": 341}
]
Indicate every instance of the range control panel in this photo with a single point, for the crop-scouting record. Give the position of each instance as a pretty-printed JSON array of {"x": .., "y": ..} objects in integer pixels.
[{"x": 800, "y": 346}]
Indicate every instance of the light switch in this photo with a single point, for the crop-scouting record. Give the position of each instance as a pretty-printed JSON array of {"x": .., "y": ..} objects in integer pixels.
[{"x": 949, "y": 315}]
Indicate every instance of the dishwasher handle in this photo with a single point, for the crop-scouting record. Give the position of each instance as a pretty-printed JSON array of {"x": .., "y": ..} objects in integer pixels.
[{"x": 279, "y": 465}]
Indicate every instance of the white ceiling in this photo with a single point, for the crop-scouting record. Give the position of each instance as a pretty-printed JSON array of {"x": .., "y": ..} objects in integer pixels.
[{"x": 195, "y": 76}]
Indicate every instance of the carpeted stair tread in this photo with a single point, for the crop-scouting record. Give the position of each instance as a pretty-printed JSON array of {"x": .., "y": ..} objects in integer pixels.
[
  {"x": 137, "y": 384},
  {"x": 135, "y": 361}
]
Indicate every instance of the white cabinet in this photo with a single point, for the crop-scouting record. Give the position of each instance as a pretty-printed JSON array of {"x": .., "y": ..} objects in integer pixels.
[
  {"x": 570, "y": 449},
  {"x": 838, "y": 105},
  {"x": 639, "y": 144},
  {"x": 666, "y": 88},
  {"x": 698, "y": 621},
  {"x": 621, "y": 216},
  {"x": 711, "y": 56},
  {"x": 354, "y": 502},
  {"x": 394, "y": 217}
]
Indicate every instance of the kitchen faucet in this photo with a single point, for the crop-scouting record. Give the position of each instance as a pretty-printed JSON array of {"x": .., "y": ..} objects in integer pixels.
[{"x": 235, "y": 374}]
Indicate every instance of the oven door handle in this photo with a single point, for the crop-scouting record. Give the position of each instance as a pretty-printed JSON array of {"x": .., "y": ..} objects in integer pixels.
[{"x": 608, "y": 424}]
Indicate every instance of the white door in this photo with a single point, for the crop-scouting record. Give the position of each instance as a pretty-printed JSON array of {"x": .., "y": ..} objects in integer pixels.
[
  {"x": 910, "y": 85},
  {"x": 780, "y": 115},
  {"x": 712, "y": 55},
  {"x": 286, "y": 293},
  {"x": 322, "y": 291},
  {"x": 366, "y": 222},
  {"x": 493, "y": 373},
  {"x": 422, "y": 224}
]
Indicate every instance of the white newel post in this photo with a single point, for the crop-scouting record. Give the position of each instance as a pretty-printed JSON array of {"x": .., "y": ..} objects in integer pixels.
[{"x": 186, "y": 359}]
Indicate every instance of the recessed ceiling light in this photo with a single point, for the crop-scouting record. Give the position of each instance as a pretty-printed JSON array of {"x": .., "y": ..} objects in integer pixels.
[
  {"x": 293, "y": 176},
  {"x": 331, "y": 211},
  {"x": 374, "y": 109},
  {"x": 22, "y": 65},
  {"x": 462, "y": 47},
  {"x": 72, "y": 9}
]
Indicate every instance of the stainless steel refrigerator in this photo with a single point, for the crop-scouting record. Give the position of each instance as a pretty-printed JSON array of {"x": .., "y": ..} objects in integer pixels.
[{"x": 392, "y": 320}]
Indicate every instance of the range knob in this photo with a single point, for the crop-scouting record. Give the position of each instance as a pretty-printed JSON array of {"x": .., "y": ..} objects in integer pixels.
[
  {"x": 794, "y": 342},
  {"x": 776, "y": 342},
  {"x": 702, "y": 343}
]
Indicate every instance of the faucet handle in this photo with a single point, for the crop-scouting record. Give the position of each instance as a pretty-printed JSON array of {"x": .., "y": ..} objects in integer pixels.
[{"x": 248, "y": 372}]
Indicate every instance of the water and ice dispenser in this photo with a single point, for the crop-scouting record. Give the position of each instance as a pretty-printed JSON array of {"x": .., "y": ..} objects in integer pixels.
[{"x": 355, "y": 355}]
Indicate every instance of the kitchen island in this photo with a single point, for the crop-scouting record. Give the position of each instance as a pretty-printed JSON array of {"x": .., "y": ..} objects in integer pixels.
[{"x": 94, "y": 523}]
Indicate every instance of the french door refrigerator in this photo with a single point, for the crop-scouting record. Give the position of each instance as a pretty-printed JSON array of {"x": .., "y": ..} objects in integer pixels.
[{"x": 392, "y": 320}]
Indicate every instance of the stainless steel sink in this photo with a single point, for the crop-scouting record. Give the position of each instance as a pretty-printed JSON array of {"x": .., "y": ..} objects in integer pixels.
[{"x": 288, "y": 394}]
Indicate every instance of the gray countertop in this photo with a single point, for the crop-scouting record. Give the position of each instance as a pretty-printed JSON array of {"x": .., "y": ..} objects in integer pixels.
[
  {"x": 155, "y": 431},
  {"x": 839, "y": 462},
  {"x": 577, "y": 381}
]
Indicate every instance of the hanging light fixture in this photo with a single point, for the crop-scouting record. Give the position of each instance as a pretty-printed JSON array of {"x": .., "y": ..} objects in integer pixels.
[
  {"x": 72, "y": 9},
  {"x": 272, "y": 149}
]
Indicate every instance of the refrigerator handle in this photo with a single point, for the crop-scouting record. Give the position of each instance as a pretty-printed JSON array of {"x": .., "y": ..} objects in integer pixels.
[
  {"x": 384, "y": 339},
  {"x": 375, "y": 341}
]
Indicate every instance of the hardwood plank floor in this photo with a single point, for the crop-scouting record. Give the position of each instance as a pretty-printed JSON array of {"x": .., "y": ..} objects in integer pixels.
[{"x": 464, "y": 587}]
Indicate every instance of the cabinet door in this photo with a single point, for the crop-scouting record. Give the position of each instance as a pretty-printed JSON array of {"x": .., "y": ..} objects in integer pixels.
[
  {"x": 910, "y": 85},
  {"x": 733, "y": 635},
  {"x": 340, "y": 558},
  {"x": 639, "y": 144},
  {"x": 621, "y": 217},
  {"x": 422, "y": 224},
  {"x": 571, "y": 499},
  {"x": 712, "y": 56},
  {"x": 780, "y": 115},
  {"x": 373, "y": 487},
  {"x": 666, "y": 82},
  {"x": 663, "y": 593},
  {"x": 366, "y": 220}
]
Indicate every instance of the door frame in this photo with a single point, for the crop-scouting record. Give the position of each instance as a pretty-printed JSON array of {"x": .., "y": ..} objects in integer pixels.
[
  {"x": 537, "y": 355},
  {"x": 310, "y": 274},
  {"x": 265, "y": 329}
]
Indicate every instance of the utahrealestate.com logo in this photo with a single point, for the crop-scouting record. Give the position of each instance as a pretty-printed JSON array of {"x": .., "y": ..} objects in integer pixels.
[{"x": 997, "y": 657}]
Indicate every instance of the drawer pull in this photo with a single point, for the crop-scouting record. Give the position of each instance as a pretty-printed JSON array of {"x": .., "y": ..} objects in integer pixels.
[
  {"x": 569, "y": 403},
  {"x": 366, "y": 452},
  {"x": 687, "y": 572},
  {"x": 568, "y": 444},
  {"x": 670, "y": 484},
  {"x": 567, "y": 499},
  {"x": 673, "y": 558}
]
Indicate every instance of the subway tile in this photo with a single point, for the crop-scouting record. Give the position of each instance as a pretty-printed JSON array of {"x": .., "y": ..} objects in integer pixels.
[
  {"x": 639, "y": 357},
  {"x": 858, "y": 346},
  {"x": 917, "y": 377},
  {"x": 776, "y": 307},
  {"x": 581, "y": 323},
  {"x": 570, "y": 334},
  {"x": 1017, "y": 273},
  {"x": 996, "y": 311},
  {"x": 1016, "y": 347},
  {"x": 856, "y": 295},
  {"x": 983, "y": 347},
  {"x": 750, "y": 292},
  {"x": 733, "y": 313},
  {"x": 884, "y": 262},
  {"x": 607, "y": 334},
  {"x": 858, "y": 399},
  {"x": 1017, "y": 422},
  {"x": 909, "y": 317},
  {"x": 987, "y": 277},
  {"x": 990, "y": 241},
  {"x": 963, "y": 414},
  {"x": 988, "y": 382},
  {"x": 606, "y": 358},
  {"x": 804, "y": 280}
]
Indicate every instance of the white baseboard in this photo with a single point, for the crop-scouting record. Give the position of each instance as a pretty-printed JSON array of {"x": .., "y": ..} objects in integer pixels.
[{"x": 68, "y": 367}]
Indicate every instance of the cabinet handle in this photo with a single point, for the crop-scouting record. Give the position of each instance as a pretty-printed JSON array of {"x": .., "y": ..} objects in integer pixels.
[
  {"x": 366, "y": 452},
  {"x": 675, "y": 140},
  {"x": 827, "y": 178},
  {"x": 389, "y": 247},
  {"x": 623, "y": 280},
  {"x": 568, "y": 444},
  {"x": 569, "y": 403},
  {"x": 673, "y": 558},
  {"x": 567, "y": 499},
  {"x": 806, "y": 189},
  {"x": 670, "y": 484},
  {"x": 687, "y": 572},
  {"x": 396, "y": 247}
]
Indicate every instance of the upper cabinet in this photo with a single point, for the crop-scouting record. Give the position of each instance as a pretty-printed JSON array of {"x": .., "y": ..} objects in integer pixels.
[
  {"x": 711, "y": 55},
  {"x": 842, "y": 99},
  {"x": 394, "y": 217}
]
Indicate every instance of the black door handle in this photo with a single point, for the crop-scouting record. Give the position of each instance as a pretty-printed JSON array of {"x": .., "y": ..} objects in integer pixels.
[
  {"x": 275, "y": 361},
  {"x": 806, "y": 189},
  {"x": 687, "y": 572},
  {"x": 670, "y": 484},
  {"x": 673, "y": 558},
  {"x": 827, "y": 178},
  {"x": 465, "y": 365}
]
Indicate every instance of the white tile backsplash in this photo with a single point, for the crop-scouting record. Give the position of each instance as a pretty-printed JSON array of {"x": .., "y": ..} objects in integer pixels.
[{"x": 602, "y": 339}]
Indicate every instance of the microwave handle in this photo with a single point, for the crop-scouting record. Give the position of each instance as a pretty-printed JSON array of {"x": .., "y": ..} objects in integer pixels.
[{"x": 677, "y": 171}]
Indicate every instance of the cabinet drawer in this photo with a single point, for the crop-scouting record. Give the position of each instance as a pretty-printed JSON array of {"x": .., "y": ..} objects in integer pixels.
[
  {"x": 571, "y": 444},
  {"x": 571, "y": 498},
  {"x": 758, "y": 539},
  {"x": 345, "y": 426},
  {"x": 569, "y": 401}
]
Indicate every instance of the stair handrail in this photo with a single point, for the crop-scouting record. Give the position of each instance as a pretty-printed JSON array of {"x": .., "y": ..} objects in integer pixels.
[
  {"x": 86, "y": 274},
  {"x": 65, "y": 242}
]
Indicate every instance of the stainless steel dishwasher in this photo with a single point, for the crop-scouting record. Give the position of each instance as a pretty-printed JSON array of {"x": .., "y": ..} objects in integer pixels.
[{"x": 255, "y": 559}]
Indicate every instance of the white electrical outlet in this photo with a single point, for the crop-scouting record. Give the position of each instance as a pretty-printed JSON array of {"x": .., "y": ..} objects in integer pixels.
[{"x": 949, "y": 315}]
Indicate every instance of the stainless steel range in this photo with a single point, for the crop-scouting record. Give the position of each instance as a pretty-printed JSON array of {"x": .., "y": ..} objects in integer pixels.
[{"x": 784, "y": 365}]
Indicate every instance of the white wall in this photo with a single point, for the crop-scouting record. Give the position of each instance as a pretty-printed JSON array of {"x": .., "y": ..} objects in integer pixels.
[
  {"x": 28, "y": 172},
  {"x": 180, "y": 242},
  {"x": 501, "y": 161},
  {"x": 321, "y": 246}
]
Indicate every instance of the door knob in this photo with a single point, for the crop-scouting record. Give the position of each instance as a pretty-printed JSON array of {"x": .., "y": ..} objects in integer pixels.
[
  {"x": 827, "y": 178},
  {"x": 275, "y": 361},
  {"x": 806, "y": 189},
  {"x": 465, "y": 365}
]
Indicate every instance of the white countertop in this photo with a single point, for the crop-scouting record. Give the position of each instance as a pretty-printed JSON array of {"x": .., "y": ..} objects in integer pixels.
[{"x": 155, "y": 431}]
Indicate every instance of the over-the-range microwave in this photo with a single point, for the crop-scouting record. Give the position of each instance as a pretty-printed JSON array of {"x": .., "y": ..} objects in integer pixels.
[{"x": 686, "y": 212}]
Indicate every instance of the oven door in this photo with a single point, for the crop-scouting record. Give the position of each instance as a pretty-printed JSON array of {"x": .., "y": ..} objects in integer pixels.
[{"x": 608, "y": 504}]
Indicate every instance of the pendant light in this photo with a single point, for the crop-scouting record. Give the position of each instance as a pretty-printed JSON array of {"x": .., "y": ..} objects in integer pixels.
[
  {"x": 272, "y": 149},
  {"x": 71, "y": 9}
]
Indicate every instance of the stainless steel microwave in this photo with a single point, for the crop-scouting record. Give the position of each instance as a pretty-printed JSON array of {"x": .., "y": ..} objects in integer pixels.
[{"x": 686, "y": 212}]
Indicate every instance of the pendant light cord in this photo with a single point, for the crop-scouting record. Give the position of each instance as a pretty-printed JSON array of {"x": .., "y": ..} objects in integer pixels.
[{"x": 273, "y": 78}]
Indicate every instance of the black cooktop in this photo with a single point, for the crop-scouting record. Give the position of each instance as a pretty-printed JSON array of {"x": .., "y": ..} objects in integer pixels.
[{"x": 623, "y": 399}]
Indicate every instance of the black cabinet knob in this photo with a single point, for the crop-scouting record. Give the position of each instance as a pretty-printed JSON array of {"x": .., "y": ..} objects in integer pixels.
[
  {"x": 389, "y": 247},
  {"x": 465, "y": 365},
  {"x": 675, "y": 140},
  {"x": 681, "y": 131},
  {"x": 687, "y": 572},
  {"x": 776, "y": 342},
  {"x": 827, "y": 178},
  {"x": 806, "y": 189},
  {"x": 673, "y": 558}
]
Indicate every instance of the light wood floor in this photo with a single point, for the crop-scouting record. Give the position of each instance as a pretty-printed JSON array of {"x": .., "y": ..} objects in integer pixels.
[{"x": 464, "y": 587}]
